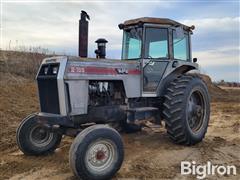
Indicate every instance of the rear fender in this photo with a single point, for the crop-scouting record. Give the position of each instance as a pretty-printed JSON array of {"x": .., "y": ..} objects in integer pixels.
[{"x": 170, "y": 75}]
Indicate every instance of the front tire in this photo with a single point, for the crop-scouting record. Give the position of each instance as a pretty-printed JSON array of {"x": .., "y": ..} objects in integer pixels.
[
  {"x": 33, "y": 139},
  {"x": 187, "y": 110},
  {"x": 96, "y": 153}
]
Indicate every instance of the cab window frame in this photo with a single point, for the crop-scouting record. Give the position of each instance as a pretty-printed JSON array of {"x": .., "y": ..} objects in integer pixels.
[
  {"x": 187, "y": 46},
  {"x": 141, "y": 48},
  {"x": 168, "y": 41}
]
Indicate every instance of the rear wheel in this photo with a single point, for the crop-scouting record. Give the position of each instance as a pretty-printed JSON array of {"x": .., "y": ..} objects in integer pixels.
[
  {"x": 187, "y": 110},
  {"x": 96, "y": 153},
  {"x": 34, "y": 139}
]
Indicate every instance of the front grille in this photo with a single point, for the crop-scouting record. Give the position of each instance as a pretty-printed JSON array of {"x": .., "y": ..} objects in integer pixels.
[{"x": 48, "y": 90}]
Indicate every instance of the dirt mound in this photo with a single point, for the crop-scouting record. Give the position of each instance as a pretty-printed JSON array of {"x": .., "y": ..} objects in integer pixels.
[
  {"x": 213, "y": 89},
  {"x": 17, "y": 100},
  {"x": 23, "y": 64},
  {"x": 8, "y": 78}
]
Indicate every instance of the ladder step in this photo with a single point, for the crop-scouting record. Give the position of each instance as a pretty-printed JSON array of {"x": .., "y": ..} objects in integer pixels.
[{"x": 143, "y": 109}]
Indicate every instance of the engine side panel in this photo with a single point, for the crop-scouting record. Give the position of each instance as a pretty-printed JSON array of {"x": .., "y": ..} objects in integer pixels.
[{"x": 77, "y": 96}]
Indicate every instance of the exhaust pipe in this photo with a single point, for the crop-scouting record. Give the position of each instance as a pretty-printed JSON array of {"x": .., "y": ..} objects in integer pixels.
[{"x": 83, "y": 35}]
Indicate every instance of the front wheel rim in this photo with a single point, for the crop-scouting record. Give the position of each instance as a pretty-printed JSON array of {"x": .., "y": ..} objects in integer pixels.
[
  {"x": 100, "y": 155},
  {"x": 196, "y": 111},
  {"x": 40, "y": 136}
]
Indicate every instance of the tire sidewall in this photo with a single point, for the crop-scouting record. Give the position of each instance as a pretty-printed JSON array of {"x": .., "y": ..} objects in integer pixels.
[
  {"x": 196, "y": 85},
  {"x": 25, "y": 144},
  {"x": 80, "y": 166}
]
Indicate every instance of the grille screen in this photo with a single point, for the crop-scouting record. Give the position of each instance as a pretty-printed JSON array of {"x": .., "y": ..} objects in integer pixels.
[{"x": 48, "y": 95}]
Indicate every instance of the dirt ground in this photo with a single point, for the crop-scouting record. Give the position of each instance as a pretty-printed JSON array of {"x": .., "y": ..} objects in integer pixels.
[{"x": 148, "y": 154}]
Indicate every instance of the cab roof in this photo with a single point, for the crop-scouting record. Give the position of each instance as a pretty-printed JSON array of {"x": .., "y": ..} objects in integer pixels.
[{"x": 152, "y": 20}]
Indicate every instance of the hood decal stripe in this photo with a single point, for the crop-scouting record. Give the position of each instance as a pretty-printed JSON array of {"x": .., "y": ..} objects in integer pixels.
[{"x": 100, "y": 70}]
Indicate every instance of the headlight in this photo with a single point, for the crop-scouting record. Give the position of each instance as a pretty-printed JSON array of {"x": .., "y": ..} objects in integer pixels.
[
  {"x": 45, "y": 70},
  {"x": 55, "y": 70}
]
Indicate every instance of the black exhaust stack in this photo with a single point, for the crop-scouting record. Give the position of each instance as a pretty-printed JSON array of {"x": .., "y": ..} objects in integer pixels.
[{"x": 83, "y": 35}]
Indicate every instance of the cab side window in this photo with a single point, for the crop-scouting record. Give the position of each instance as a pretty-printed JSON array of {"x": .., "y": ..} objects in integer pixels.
[{"x": 180, "y": 46}]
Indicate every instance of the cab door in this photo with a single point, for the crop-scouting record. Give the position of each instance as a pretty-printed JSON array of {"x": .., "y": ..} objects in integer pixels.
[{"x": 155, "y": 58}]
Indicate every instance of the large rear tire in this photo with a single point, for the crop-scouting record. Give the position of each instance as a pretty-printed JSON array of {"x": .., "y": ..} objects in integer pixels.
[
  {"x": 96, "y": 153},
  {"x": 34, "y": 139},
  {"x": 187, "y": 110}
]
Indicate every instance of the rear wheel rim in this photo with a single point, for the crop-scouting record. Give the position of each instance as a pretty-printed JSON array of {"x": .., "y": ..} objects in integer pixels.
[
  {"x": 196, "y": 111},
  {"x": 100, "y": 155},
  {"x": 40, "y": 136}
]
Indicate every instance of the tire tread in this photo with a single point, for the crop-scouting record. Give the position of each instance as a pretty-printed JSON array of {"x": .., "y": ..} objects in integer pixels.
[{"x": 172, "y": 109}]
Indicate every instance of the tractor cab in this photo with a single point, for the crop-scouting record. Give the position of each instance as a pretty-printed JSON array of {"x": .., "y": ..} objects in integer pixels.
[
  {"x": 155, "y": 38},
  {"x": 153, "y": 42}
]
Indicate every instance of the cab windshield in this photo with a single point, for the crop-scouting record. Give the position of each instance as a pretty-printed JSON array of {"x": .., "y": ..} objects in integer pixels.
[{"x": 132, "y": 43}]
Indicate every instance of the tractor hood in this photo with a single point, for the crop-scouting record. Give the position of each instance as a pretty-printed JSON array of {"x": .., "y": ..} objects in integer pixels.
[
  {"x": 101, "y": 67},
  {"x": 88, "y": 69}
]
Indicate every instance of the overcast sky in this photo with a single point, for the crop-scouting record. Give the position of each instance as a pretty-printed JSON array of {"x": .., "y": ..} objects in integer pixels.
[{"x": 54, "y": 25}]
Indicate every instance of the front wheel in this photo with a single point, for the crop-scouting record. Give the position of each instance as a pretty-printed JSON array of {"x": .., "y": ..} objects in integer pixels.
[
  {"x": 187, "y": 110},
  {"x": 96, "y": 153},
  {"x": 34, "y": 139}
]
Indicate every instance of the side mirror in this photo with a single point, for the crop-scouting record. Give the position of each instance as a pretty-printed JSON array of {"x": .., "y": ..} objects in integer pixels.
[{"x": 194, "y": 60}]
